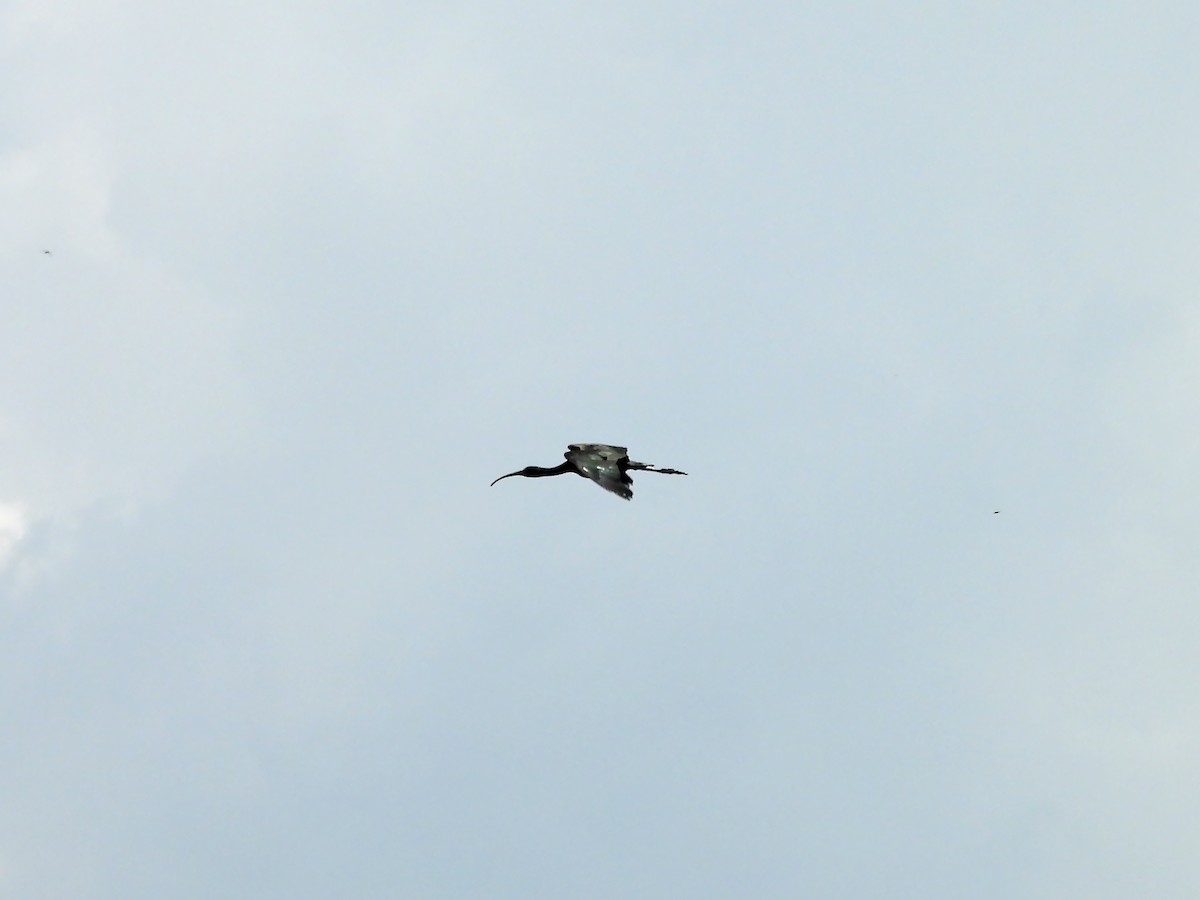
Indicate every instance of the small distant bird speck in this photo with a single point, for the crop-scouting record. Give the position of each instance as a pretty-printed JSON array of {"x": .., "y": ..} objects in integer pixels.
[
  {"x": 47, "y": 252},
  {"x": 995, "y": 512},
  {"x": 603, "y": 463}
]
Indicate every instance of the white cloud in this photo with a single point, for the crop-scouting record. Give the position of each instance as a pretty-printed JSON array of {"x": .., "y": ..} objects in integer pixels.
[
  {"x": 13, "y": 525},
  {"x": 118, "y": 372}
]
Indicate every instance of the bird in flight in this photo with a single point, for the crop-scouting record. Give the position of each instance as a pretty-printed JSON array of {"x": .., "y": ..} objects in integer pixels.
[{"x": 605, "y": 464}]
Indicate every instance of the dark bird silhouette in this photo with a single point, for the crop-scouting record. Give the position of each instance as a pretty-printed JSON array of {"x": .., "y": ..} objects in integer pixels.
[
  {"x": 47, "y": 252},
  {"x": 605, "y": 464}
]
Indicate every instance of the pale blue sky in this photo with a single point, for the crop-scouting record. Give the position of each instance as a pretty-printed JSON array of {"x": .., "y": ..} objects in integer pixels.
[{"x": 869, "y": 273}]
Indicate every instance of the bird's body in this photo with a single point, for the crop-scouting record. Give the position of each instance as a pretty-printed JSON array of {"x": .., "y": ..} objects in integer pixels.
[{"x": 605, "y": 464}]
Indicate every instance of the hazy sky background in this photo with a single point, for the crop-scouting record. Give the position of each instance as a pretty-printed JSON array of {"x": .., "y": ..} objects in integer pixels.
[{"x": 869, "y": 272}]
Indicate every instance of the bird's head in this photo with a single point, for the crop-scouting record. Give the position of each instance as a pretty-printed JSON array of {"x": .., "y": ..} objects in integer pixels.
[{"x": 528, "y": 472}]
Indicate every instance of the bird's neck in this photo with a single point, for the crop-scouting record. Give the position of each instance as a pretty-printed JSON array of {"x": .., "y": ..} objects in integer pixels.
[{"x": 539, "y": 472}]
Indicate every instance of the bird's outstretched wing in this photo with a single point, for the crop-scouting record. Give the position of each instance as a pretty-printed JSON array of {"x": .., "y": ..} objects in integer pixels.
[{"x": 603, "y": 464}]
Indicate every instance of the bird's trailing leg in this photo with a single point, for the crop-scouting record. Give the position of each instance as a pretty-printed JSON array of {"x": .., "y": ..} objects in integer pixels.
[{"x": 647, "y": 467}]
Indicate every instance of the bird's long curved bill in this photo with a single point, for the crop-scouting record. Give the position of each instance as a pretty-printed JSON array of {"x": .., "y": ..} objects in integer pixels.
[{"x": 502, "y": 477}]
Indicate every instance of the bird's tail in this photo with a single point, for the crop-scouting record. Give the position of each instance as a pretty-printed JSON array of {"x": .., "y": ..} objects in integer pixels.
[{"x": 647, "y": 467}]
